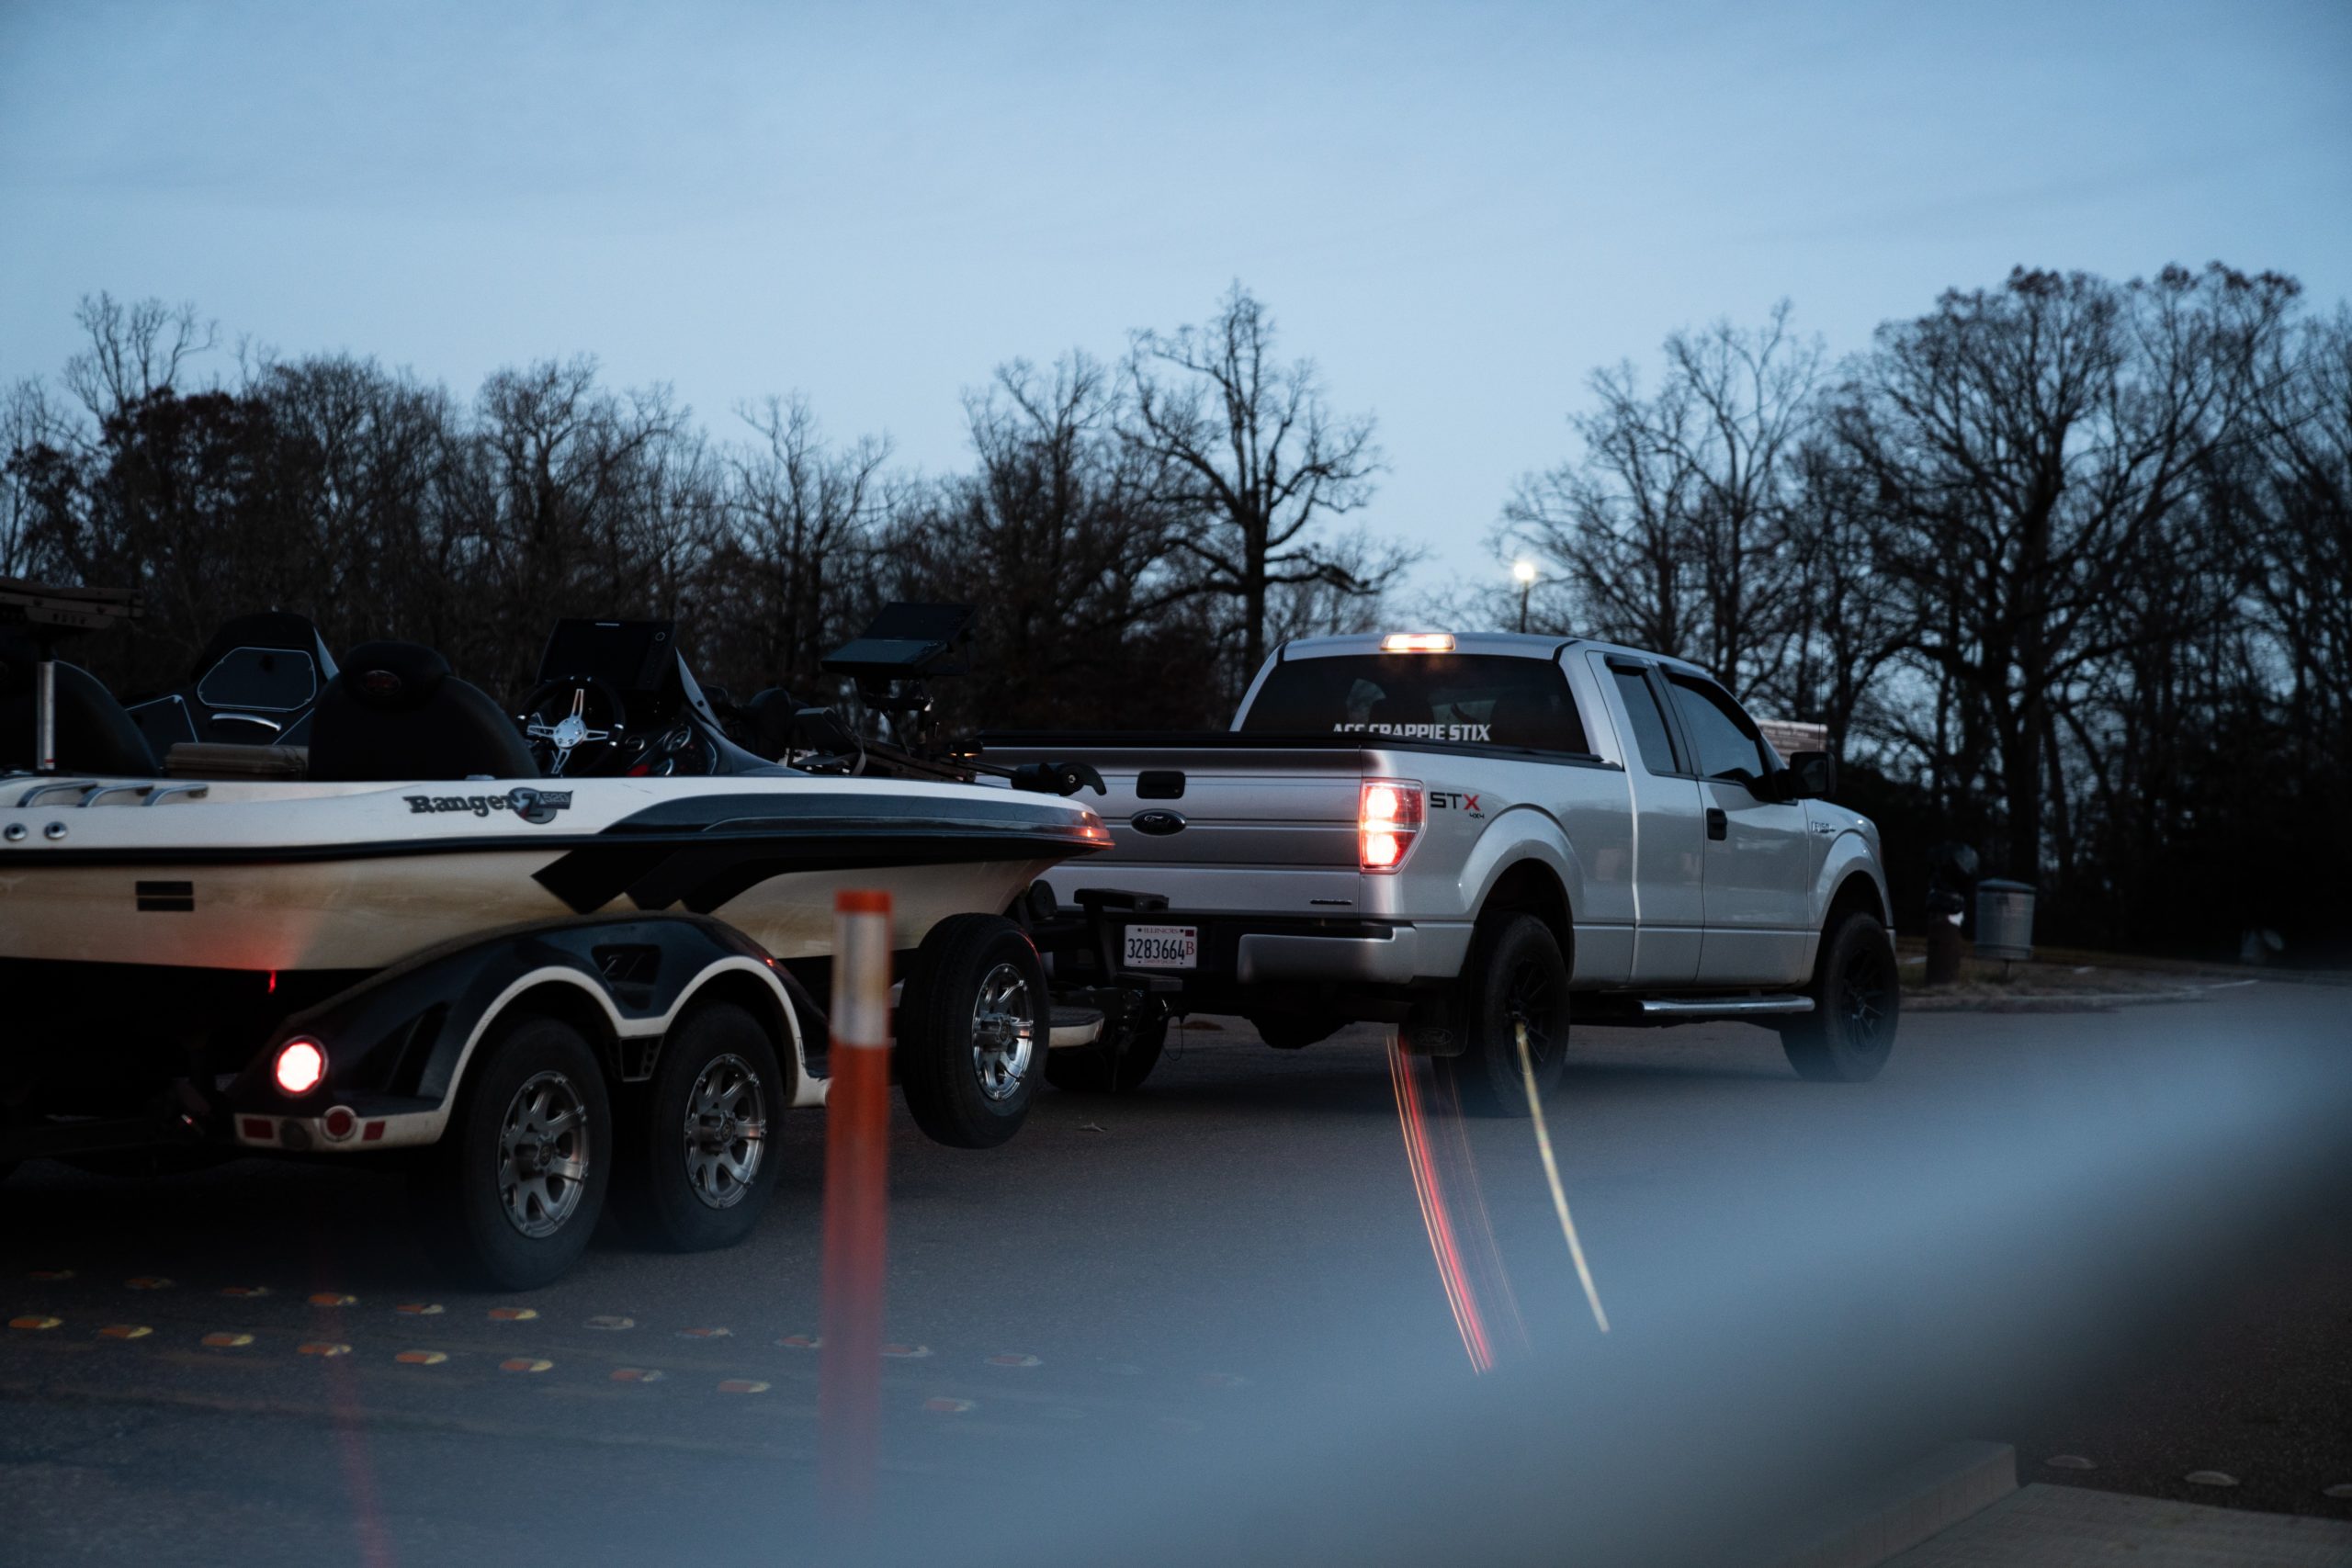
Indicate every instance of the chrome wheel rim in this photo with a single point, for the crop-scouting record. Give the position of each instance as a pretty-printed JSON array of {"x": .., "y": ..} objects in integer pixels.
[
  {"x": 543, "y": 1154},
  {"x": 1004, "y": 1033},
  {"x": 726, "y": 1131}
]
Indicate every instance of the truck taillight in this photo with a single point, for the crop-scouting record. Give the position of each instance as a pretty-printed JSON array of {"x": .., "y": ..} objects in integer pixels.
[{"x": 1388, "y": 813}]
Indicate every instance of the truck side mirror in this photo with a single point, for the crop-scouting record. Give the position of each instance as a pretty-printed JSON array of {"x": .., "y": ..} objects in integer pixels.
[{"x": 1811, "y": 775}]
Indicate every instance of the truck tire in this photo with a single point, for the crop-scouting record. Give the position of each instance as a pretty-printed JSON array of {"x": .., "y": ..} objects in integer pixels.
[
  {"x": 1294, "y": 1030},
  {"x": 1857, "y": 1001},
  {"x": 1087, "y": 1069},
  {"x": 1515, "y": 972},
  {"x": 510, "y": 1195},
  {"x": 698, "y": 1165},
  {"x": 972, "y": 1028}
]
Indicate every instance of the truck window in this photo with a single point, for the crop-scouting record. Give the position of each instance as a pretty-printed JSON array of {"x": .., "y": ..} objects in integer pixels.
[
  {"x": 1725, "y": 737},
  {"x": 1650, "y": 723},
  {"x": 1482, "y": 699}
]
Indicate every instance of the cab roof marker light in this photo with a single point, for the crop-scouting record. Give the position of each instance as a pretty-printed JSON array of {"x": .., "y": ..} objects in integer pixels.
[{"x": 1417, "y": 642}]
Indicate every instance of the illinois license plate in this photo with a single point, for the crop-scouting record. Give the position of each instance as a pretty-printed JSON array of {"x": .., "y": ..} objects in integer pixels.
[{"x": 1163, "y": 947}]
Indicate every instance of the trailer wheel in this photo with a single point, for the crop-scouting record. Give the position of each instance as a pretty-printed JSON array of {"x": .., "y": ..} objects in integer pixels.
[
  {"x": 972, "y": 1027},
  {"x": 1857, "y": 1001},
  {"x": 1515, "y": 975},
  {"x": 509, "y": 1196},
  {"x": 698, "y": 1162},
  {"x": 1089, "y": 1069}
]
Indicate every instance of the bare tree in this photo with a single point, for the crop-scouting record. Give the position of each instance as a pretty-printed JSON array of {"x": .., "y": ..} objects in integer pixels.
[
  {"x": 1254, "y": 457},
  {"x": 1671, "y": 529},
  {"x": 2034, "y": 447}
]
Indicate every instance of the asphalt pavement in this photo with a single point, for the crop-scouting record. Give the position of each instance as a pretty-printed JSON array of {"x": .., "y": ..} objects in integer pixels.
[{"x": 1210, "y": 1318}]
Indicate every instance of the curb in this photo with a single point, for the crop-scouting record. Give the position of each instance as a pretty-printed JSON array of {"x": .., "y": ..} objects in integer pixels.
[{"x": 1895, "y": 1513}]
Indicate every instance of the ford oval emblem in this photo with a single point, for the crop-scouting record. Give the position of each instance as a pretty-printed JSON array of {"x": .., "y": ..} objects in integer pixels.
[{"x": 1159, "y": 824}]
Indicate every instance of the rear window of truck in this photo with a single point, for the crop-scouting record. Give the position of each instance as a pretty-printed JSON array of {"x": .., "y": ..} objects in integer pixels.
[{"x": 1479, "y": 699}]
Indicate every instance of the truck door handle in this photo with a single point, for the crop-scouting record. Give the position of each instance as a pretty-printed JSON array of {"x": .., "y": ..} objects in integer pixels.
[{"x": 1718, "y": 825}]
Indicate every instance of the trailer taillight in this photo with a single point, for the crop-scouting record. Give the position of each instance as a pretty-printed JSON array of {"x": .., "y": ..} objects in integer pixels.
[
  {"x": 301, "y": 1067},
  {"x": 1389, "y": 814}
]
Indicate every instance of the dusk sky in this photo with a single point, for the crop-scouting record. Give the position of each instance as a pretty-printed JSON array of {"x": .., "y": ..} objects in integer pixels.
[{"x": 1458, "y": 210}]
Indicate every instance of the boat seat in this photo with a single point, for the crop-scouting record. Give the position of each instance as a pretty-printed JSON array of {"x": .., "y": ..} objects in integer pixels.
[
  {"x": 393, "y": 711},
  {"x": 95, "y": 734}
]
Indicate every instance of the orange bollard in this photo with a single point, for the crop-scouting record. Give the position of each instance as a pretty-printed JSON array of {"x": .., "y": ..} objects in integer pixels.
[{"x": 857, "y": 1116}]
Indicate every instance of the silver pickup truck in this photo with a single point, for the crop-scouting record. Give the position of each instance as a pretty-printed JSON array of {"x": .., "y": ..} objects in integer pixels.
[{"x": 1455, "y": 833}]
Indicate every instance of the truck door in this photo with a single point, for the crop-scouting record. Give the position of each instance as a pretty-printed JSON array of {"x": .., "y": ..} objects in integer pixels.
[
  {"x": 1759, "y": 855},
  {"x": 1670, "y": 842}
]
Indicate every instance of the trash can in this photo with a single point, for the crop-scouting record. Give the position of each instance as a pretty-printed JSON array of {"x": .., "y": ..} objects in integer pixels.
[{"x": 2004, "y": 919}]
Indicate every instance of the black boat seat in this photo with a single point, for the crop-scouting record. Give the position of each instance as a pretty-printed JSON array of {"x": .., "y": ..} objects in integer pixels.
[
  {"x": 393, "y": 711},
  {"x": 95, "y": 735}
]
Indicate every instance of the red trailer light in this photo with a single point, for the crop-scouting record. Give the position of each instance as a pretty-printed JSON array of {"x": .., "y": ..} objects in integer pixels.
[
  {"x": 301, "y": 1067},
  {"x": 1388, "y": 815},
  {"x": 340, "y": 1123}
]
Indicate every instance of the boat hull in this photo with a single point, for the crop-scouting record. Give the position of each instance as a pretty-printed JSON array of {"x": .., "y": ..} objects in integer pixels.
[{"x": 261, "y": 876}]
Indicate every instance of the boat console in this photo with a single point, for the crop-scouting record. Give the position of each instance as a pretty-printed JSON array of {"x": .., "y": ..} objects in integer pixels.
[{"x": 617, "y": 698}]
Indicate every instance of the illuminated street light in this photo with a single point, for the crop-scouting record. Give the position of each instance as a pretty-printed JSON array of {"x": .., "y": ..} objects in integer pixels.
[{"x": 1525, "y": 572}]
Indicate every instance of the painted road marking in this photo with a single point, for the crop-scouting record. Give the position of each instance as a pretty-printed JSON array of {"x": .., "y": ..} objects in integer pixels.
[
  {"x": 420, "y": 1309},
  {"x": 2210, "y": 1478},
  {"x": 34, "y": 1323},
  {"x": 803, "y": 1341},
  {"x": 422, "y": 1358},
  {"x": 125, "y": 1331},
  {"x": 322, "y": 1347},
  {"x": 513, "y": 1315},
  {"x": 613, "y": 1324},
  {"x": 636, "y": 1374},
  {"x": 226, "y": 1341},
  {"x": 331, "y": 1299},
  {"x": 245, "y": 1290},
  {"x": 148, "y": 1282},
  {"x": 1014, "y": 1358},
  {"x": 945, "y": 1406},
  {"x": 906, "y": 1352},
  {"x": 524, "y": 1364},
  {"x": 2069, "y": 1461},
  {"x": 742, "y": 1385},
  {"x": 706, "y": 1334},
  {"x": 51, "y": 1274}
]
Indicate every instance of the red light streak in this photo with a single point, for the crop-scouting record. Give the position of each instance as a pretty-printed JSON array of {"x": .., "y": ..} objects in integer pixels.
[{"x": 1438, "y": 1220}]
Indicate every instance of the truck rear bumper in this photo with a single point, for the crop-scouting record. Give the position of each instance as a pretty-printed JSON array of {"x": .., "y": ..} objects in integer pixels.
[{"x": 1396, "y": 956}]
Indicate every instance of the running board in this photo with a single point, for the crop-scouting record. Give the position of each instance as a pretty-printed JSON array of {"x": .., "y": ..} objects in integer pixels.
[{"x": 1681, "y": 1008}]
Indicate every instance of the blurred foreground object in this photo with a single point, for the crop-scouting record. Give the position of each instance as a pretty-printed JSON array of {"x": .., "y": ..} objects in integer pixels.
[{"x": 856, "y": 1195}]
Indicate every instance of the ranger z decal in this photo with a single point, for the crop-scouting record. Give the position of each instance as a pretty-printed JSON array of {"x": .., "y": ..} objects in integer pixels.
[{"x": 530, "y": 805}]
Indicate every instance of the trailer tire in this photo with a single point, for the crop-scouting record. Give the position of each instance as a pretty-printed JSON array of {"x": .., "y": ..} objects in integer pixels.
[
  {"x": 973, "y": 1021},
  {"x": 698, "y": 1160},
  {"x": 1515, "y": 972},
  {"x": 1857, "y": 1002},
  {"x": 1089, "y": 1069},
  {"x": 510, "y": 1195}
]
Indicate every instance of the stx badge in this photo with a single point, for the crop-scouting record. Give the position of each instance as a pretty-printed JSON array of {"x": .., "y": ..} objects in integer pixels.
[{"x": 530, "y": 805}]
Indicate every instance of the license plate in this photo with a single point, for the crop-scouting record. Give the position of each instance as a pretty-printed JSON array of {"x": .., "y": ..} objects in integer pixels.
[{"x": 1163, "y": 947}]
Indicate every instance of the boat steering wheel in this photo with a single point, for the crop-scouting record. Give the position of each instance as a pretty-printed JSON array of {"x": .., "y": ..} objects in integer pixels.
[{"x": 571, "y": 724}]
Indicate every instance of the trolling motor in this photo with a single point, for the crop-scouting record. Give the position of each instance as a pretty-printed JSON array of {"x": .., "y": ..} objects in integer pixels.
[{"x": 48, "y": 617}]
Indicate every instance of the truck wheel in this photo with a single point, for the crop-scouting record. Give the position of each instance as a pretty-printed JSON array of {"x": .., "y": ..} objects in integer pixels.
[
  {"x": 699, "y": 1169},
  {"x": 972, "y": 1026},
  {"x": 1857, "y": 1000},
  {"x": 1087, "y": 1069},
  {"x": 1294, "y": 1030},
  {"x": 1515, "y": 974},
  {"x": 509, "y": 1196}
]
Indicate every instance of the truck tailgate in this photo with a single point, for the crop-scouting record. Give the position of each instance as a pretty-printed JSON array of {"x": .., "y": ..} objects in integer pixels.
[{"x": 1237, "y": 827}]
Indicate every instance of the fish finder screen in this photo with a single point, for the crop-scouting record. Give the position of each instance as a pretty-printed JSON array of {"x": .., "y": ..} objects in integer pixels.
[{"x": 631, "y": 656}]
